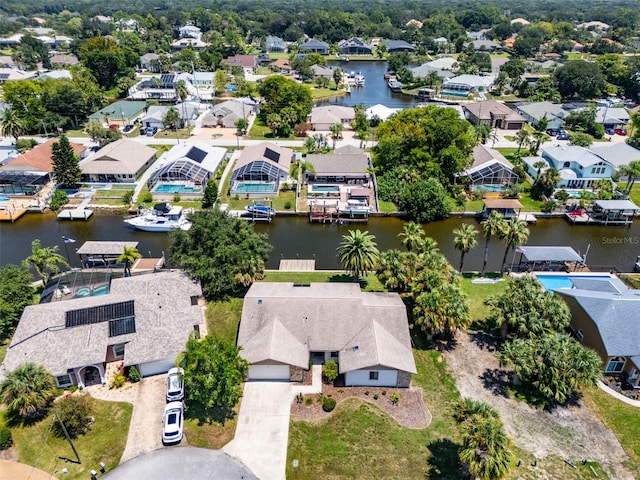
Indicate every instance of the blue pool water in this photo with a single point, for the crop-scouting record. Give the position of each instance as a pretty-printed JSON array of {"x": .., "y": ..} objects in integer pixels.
[
  {"x": 325, "y": 188},
  {"x": 490, "y": 188},
  {"x": 4, "y": 199},
  {"x": 89, "y": 292},
  {"x": 552, "y": 282},
  {"x": 175, "y": 188},
  {"x": 247, "y": 187}
]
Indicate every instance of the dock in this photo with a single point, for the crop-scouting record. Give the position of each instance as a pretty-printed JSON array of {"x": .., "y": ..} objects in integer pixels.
[
  {"x": 527, "y": 217},
  {"x": 11, "y": 214},
  {"x": 244, "y": 215},
  {"x": 296, "y": 265},
  {"x": 81, "y": 212},
  {"x": 605, "y": 212}
]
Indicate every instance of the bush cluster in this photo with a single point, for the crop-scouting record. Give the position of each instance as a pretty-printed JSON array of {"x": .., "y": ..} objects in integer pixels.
[
  {"x": 74, "y": 412},
  {"x": 328, "y": 404},
  {"x": 6, "y": 440}
]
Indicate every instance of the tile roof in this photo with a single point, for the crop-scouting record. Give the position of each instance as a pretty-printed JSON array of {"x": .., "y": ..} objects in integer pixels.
[
  {"x": 487, "y": 109},
  {"x": 39, "y": 157},
  {"x": 123, "y": 156}
]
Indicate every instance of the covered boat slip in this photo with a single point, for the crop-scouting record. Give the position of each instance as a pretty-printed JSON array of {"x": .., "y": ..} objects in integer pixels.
[
  {"x": 548, "y": 259},
  {"x": 612, "y": 212},
  {"x": 97, "y": 254},
  {"x": 508, "y": 208}
]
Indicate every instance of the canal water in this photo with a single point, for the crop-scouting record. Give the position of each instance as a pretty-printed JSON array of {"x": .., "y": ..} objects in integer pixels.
[{"x": 295, "y": 237}]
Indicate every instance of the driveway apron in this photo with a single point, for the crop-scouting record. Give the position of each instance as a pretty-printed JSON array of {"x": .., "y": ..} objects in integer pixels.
[{"x": 262, "y": 433}]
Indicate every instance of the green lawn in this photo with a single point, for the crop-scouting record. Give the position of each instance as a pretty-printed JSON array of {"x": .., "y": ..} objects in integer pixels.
[
  {"x": 223, "y": 318},
  {"x": 318, "y": 94},
  {"x": 634, "y": 196},
  {"x": 387, "y": 207},
  {"x": 237, "y": 202},
  {"x": 477, "y": 293},
  {"x": 259, "y": 131},
  {"x": 104, "y": 442},
  {"x": 210, "y": 435},
  {"x": 360, "y": 441}
]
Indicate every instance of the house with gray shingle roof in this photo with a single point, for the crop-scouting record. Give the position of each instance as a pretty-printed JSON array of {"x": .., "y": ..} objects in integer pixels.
[
  {"x": 494, "y": 114},
  {"x": 321, "y": 118},
  {"x": 346, "y": 166},
  {"x": 314, "y": 46},
  {"x": 285, "y": 325},
  {"x": 143, "y": 321},
  {"x": 275, "y": 44},
  {"x": 226, "y": 114},
  {"x": 616, "y": 153},
  {"x": 534, "y": 112},
  {"x": 398, "y": 46},
  {"x": 354, "y": 46},
  {"x": 489, "y": 167},
  {"x": 604, "y": 317}
]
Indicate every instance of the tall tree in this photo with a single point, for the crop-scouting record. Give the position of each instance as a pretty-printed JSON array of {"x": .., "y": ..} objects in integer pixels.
[
  {"x": 129, "y": 257},
  {"x": 28, "y": 390},
  {"x": 396, "y": 270},
  {"x": 66, "y": 168},
  {"x": 336, "y": 132},
  {"x": 358, "y": 252},
  {"x": 281, "y": 93},
  {"x": 298, "y": 168},
  {"x": 465, "y": 240},
  {"x": 12, "y": 124},
  {"x": 16, "y": 293},
  {"x": 577, "y": 78},
  {"x": 493, "y": 225},
  {"x": 411, "y": 235},
  {"x": 45, "y": 260},
  {"x": 213, "y": 376},
  {"x": 182, "y": 93},
  {"x": 522, "y": 138},
  {"x": 210, "y": 196},
  {"x": 515, "y": 233},
  {"x": 171, "y": 118}
]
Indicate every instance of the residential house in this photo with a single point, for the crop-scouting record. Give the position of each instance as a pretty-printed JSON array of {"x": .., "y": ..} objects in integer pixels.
[
  {"x": 443, "y": 63},
  {"x": 144, "y": 321},
  {"x": 60, "y": 60},
  {"x": 494, "y": 114},
  {"x": 463, "y": 85},
  {"x": 283, "y": 65},
  {"x": 248, "y": 63},
  {"x": 266, "y": 164},
  {"x": 393, "y": 46},
  {"x": 612, "y": 117},
  {"x": 520, "y": 20},
  {"x": 366, "y": 333},
  {"x": 275, "y": 44},
  {"x": 194, "y": 163},
  {"x": 604, "y": 317},
  {"x": 57, "y": 75},
  {"x": 479, "y": 35},
  {"x": 190, "y": 31},
  {"x": 322, "y": 118},
  {"x": 490, "y": 170},
  {"x": 150, "y": 62},
  {"x": 127, "y": 25},
  {"x": 122, "y": 161},
  {"x": 414, "y": 23},
  {"x": 122, "y": 112},
  {"x": 534, "y": 112},
  {"x": 322, "y": 72},
  {"x": 441, "y": 41},
  {"x": 156, "y": 113},
  {"x": 182, "y": 43},
  {"x": 423, "y": 71},
  {"x": 354, "y": 46},
  {"x": 594, "y": 25},
  {"x": 201, "y": 79},
  {"x": 7, "y": 74},
  {"x": 380, "y": 111},
  {"x": 616, "y": 153},
  {"x": 578, "y": 167},
  {"x": 482, "y": 45},
  {"x": 347, "y": 166},
  {"x": 314, "y": 46},
  {"x": 226, "y": 114}
]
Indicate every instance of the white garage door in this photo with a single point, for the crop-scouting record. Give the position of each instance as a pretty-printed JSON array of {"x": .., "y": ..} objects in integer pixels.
[
  {"x": 157, "y": 367},
  {"x": 269, "y": 372}
]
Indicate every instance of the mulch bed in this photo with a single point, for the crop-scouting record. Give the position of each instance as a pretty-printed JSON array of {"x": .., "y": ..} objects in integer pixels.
[
  {"x": 410, "y": 412},
  {"x": 620, "y": 385}
]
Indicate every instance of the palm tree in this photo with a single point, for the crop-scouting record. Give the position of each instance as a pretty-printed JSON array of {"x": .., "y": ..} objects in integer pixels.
[
  {"x": 358, "y": 252},
  {"x": 427, "y": 246},
  {"x": 631, "y": 171},
  {"x": 486, "y": 448},
  {"x": 411, "y": 235},
  {"x": 538, "y": 139},
  {"x": 515, "y": 233},
  {"x": 12, "y": 124},
  {"x": 548, "y": 180},
  {"x": 521, "y": 137},
  {"x": 28, "y": 390},
  {"x": 396, "y": 269},
  {"x": 493, "y": 225},
  {"x": 129, "y": 256},
  {"x": 465, "y": 240},
  {"x": 299, "y": 168},
  {"x": 483, "y": 131},
  {"x": 336, "y": 132},
  {"x": 539, "y": 165},
  {"x": 45, "y": 260},
  {"x": 182, "y": 93},
  {"x": 274, "y": 121}
]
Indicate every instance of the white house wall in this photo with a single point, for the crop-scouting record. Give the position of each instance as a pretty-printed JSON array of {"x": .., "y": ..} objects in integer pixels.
[{"x": 386, "y": 378}]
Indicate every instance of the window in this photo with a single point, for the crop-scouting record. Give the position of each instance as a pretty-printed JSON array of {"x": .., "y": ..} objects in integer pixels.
[
  {"x": 615, "y": 365},
  {"x": 373, "y": 375},
  {"x": 334, "y": 354},
  {"x": 566, "y": 164},
  {"x": 64, "y": 380},
  {"x": 593, "y": 170},
  {"x": 118, "y": 350},
  {"x": 580, "y": 335}
]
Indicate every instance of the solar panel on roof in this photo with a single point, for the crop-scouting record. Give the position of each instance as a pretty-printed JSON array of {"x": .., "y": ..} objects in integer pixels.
[
  {"x": 271, "y": 155},
  {"x": 196, "y": 154},
  {"x": 122, "y": 326},
  {"x": 99, "y": 314},
  {"x": 4, "y": 76},
  {"x": 167, "y": 78}
]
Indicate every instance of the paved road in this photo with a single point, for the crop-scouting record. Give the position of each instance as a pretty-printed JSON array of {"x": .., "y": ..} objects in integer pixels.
[
  {"x": 182, "y": 463},
  {"x": 262, "y": 433}
]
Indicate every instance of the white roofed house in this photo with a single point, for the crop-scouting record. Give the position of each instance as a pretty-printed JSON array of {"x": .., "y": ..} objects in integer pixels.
[
  {"x": 381, "y": 111},
  {"x": 226, "y": 114},
  {"x": 322, "y": 118},
  {"x": 122, "y": 161},
  {"x": 190, "y": 31},
  {"x": 463, "y": 85},
  {"x": 284, "y": 326}
]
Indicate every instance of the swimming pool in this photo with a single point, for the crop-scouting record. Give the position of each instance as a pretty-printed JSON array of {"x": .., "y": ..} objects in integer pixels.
[
  {"x": 175, "y": 188},
  {"x": 248, "y": 187},
  {"x": 91, "y": 292},
  {"x": 552, "y": 282},
  {"x": 4, "y": 199},
  {"x": 325, "y": 188},
  {"x": 489, "y": 188}
]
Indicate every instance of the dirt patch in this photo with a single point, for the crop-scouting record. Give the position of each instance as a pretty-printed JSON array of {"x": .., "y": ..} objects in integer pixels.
[
  {"x": 571, "y": 432},
  {"x": 410, "y": 412}
]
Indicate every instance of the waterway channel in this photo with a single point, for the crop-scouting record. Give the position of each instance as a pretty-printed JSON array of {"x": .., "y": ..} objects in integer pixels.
[{"x": 295, "y": 237}]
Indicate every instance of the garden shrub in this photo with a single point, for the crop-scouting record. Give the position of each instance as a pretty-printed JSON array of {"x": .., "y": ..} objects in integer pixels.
[
  {"x": 127, "y": 197},
  {"x": 74, "y": 412},
  {"x": 6, "y": 439},
  {"x": 330, "y": 370},
  {"x": 134, "y": 375},
  {"x": 176, "y": 198},
  {"x": 117, "y": 381},
  {"x": 147, "y": 198},
  {"x": 308, "y": 401},
  {"x": 328, "y": 404},
  {"x": 287, "y": 205},
  {"x": 375, "y": 396},
  {"x": 58, "y": 199},
  {"x": 548, "y": 206},
  {"x": 395, "y": 398}
]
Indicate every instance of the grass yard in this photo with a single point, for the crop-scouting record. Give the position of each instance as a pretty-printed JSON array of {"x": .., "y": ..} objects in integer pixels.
[
  {"x": 359, "y": 441},
  {"x": 318, "y": 94},
  {"x": 161, "y": 149},
  {"x": 104, "y": 442},
  {"x": 223, "y": 318},
  {"x": 238, "y": 202},
  {"x": 210, "y": 435},
  {"x": 477, "y": 293},
  {"x": 369, "y": 283},
  {"x": 387, "y": 207},
  {"x": 259, "y": 131}
]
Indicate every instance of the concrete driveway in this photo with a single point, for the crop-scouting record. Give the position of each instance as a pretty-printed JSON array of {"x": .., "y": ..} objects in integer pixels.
[
  {"x": 262, "y": 433},
  {"x": 181, "y": 463}
]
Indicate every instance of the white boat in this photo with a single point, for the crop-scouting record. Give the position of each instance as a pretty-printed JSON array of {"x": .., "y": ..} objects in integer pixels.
[
  {"x": 161, "y": 218},
  {"x": 260, "y": 210},
  {"x": 359, "y": 79}
]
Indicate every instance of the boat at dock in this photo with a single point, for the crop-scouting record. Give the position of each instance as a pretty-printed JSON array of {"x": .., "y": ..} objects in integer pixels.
[
  {"x": 359, "y": 79},
  {"x": 395, "y": 85},
  {"x": 163, "y": 217},
  {"x": 259, "y": 210}
]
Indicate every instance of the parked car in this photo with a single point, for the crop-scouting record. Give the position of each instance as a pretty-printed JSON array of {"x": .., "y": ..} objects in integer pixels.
[
  {"x": 175, "y": 385},
  {"x": 609, "y": 131},
  {"x": 563, "y": 136},
  {"x": 172, "y": 423},
  {"x": 127, "y": 128},
  {"x": 620, "y": 131},
  {"x": 151, "y": 131},
  {"x": 553, "y": 132}
]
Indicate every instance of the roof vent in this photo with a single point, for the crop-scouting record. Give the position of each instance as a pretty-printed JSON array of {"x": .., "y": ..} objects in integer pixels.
[
  {"x": 259, "y": 301},
  {"x": 356, "y": 348}
]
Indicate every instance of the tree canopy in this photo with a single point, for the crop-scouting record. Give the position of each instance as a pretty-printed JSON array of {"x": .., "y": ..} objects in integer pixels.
[
  {"x": 66, "y": 168},
  {"x": 581, "y": 79},
  {"x": 286, "y": 98},
  {"x": 15, "y": 294},
  {"x": 27, "y": 391},
  {"x": 225, "y": 254}
]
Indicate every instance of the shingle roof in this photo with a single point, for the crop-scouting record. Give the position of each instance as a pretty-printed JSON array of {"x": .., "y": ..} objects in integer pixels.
[
  {"x": 484, "y": 110},
  {"x": 40, "y": 156},
  {"x": 339, "y": 164},
  {"x": 482, "y": 154},
  {"x": 118, "y": 110},
  {"x": 312, "y": 43},
  {"x": 367, "y": 329},
  {"x": 164, "y": 318},
  {"x": 616, "y": 153},
  {"x": 259, "y": 152},
  {"x": 123, "y": 156},
  {"x": 331, "y": 114},
  {"x": 573, "y": 153}
]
